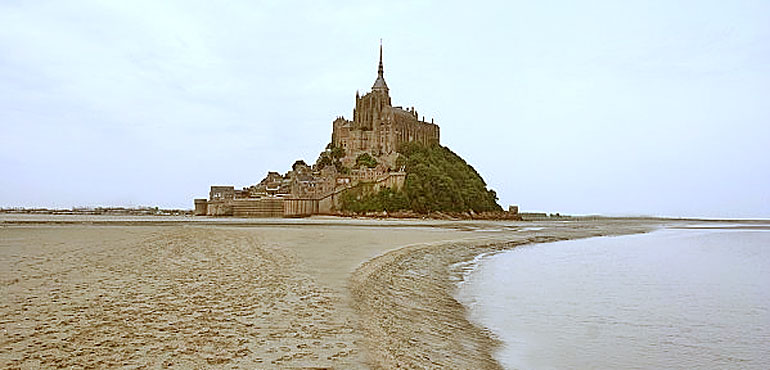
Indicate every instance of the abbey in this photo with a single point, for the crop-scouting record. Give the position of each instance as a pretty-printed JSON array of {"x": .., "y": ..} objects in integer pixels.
[
  {"x": 378, "y": 127},
  {"x": 362, "y": 151}
]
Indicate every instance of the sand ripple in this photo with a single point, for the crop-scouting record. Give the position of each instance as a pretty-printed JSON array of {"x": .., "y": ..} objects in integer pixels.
[{"x": 186, "y": 297}]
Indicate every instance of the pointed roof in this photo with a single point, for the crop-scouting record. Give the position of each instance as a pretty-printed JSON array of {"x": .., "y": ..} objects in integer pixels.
[{"x": 379, "y": 83}]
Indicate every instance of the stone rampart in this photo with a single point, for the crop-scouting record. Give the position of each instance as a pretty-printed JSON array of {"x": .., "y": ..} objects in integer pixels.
[
  {"x": 261, "y": 207},
  {"x": 219, "y": 208},
  {"x": 292, "y": 207},
  {"x": 295, "y": 207}
]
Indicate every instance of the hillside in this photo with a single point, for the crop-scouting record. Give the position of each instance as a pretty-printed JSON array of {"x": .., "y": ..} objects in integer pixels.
[{"x": 437, "y": 180}]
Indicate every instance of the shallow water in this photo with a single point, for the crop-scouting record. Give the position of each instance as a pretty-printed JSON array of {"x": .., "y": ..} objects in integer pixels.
[{"x": 668, "y": 299}]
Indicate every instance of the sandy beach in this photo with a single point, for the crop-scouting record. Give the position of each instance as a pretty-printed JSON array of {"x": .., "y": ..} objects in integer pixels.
[{"x": 92, "y": 293}]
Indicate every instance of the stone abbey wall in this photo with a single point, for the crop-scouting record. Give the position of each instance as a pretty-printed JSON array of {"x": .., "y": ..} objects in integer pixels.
[
  {"x": 396, "y": 126},
  {"x": 378, "y": 127}
]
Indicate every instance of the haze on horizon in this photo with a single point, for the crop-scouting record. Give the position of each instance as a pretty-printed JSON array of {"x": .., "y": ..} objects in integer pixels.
[{"x": 629, "y": 108}]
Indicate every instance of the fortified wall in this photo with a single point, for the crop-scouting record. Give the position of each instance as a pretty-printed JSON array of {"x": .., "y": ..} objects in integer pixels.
[{"x": 289, "y": 206}]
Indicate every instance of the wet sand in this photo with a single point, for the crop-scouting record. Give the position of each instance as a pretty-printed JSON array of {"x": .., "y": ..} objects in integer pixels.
[{"x": 208, "y": 293}]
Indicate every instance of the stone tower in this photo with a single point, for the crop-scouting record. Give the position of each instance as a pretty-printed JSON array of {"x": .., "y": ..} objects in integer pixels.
[
  {"x": 370, "y": 108},
  {"x": 377, "y": 127}
]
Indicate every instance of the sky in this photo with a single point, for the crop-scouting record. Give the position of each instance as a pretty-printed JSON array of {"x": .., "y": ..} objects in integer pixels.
[{"x": 592, "y": 107}]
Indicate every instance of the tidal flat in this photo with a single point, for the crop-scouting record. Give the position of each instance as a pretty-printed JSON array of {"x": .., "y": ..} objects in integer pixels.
[{"x": 151, "y": 292}]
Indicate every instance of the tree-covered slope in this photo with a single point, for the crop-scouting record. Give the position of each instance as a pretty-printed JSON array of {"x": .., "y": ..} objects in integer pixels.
[{"x": 437, "y": 180}]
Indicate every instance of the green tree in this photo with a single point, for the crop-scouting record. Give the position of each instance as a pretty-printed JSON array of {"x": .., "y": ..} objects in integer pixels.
[
  {"x": 337, "y": 152},
  {"x": 437, "y": 180},
  {"x": 366, "y": 160}
]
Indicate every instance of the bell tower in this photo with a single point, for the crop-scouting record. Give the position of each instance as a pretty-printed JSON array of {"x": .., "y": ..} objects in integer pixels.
[
  {"x": 371, "y": 108},
  {"x": 379, "y": 84}
]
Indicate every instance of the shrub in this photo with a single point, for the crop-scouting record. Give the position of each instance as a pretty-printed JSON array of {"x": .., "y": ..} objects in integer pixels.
[
  {"x": 366, "y": 160},
  {"x": 437, "y": 179}
]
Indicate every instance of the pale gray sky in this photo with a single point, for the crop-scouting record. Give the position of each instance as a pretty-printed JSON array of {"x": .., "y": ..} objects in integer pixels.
[{"x": 612, "y": 107}]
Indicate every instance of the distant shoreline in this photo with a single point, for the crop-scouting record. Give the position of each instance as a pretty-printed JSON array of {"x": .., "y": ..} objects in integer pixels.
[
  {"x": 147, "y": 215},
  {"x": 99, "y": 211}
]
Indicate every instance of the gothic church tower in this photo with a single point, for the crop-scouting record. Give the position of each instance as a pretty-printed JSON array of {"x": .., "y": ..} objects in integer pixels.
[{"x": 378, "y": 127}]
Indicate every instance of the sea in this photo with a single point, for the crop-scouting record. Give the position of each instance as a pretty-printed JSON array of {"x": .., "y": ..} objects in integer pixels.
[{"x": 695, "y": 298}]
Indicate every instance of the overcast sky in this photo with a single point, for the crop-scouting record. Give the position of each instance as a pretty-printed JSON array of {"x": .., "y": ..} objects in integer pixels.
[{"x": 611, "y": 107}]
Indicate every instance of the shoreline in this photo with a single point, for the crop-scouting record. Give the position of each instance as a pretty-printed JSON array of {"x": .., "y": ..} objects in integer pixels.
[
  {"x": 323, "y": 292},
  {"x": 405, "y": 299},
  {"x": 541, "y": 300}
]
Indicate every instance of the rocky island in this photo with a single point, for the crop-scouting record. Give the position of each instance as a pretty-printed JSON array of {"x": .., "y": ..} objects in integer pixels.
[{"x": 386, "y": 161}]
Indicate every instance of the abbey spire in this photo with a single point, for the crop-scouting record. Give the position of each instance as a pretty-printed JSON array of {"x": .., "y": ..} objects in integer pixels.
[{"x": 379, "y": 83}]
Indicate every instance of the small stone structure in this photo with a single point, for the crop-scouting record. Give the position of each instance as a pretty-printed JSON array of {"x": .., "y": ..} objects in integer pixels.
[
  {"x": 201, "y": 207},
  {"x": 222, "y": 193},
  {"x": 376, "y": 131}
]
